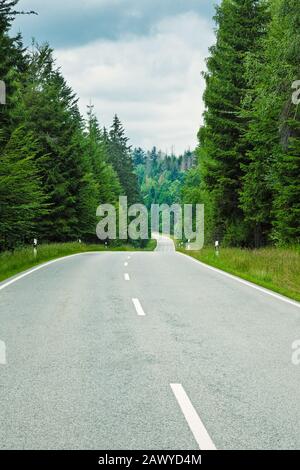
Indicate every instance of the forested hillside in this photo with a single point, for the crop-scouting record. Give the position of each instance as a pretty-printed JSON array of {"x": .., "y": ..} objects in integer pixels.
[
  {"x": 248, "y": 172},
  {"x": 56, "y": 165},
  {"x": 161, "y": 176}
]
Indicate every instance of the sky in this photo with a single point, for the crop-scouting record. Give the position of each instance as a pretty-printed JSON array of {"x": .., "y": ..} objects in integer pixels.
[{"x": 140, "y": 59}]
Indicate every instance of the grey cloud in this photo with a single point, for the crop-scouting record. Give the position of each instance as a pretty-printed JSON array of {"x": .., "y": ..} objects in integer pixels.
[
  {"x": 153, "y": 82},
  {"x": 140, "y": 59},
  {"x": 71, "y": 23}
]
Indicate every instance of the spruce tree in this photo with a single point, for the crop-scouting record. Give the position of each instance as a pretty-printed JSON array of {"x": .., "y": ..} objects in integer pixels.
[
  {"x": 22, "y": 200},
  {"x": 270, "y": 196},
  {"x": 106, "y": 179},
  {"x": 12, "y": 64},
  {"x": 119, "y": 156},
  {"x": 287, "y": 160},
  {"x": 48, "y": 107},
  {"x": 240, "y": 24}
]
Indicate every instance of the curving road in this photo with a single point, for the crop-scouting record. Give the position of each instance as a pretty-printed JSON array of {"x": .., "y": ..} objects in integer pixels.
[{"x": 146, "y": 351}]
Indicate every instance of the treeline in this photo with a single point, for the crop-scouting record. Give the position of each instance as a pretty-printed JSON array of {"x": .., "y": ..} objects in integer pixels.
[
  {"x": 56, "y": 167},
  {"x": 160, "y": 175},
  {"x": 248, "y": 173}
]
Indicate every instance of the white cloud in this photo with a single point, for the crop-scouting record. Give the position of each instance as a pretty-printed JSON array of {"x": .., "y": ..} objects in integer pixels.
[{"x": 152, "y": 82}]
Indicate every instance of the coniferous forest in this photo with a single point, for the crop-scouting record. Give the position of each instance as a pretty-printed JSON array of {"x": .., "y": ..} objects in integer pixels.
[
  {"x": 57, "y": 166},
  {"x": 249, "y": 145},
  {"x": 161, "y": 176}
]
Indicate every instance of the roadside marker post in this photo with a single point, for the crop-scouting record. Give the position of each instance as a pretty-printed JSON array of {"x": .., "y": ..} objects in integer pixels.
[
  {"x": 217, "y": 247},
  {"x": 2, "y": 92},
  {"x": 35, "y": 244}
]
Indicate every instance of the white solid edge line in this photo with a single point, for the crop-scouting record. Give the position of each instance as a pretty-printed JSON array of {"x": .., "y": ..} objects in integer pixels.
[
  {"x": 243, "y": 281},
  {"x": 44, "y": 265},
  {"x": 126, "y": 277},
  {"x": 195, "y": 424},
  {"x": 138, "y": 307}
]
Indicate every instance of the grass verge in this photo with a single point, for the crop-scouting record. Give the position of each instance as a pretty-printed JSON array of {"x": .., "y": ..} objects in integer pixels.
[
  {"x": 12, "y": 263},
  {"x": 277, "y": 269}
]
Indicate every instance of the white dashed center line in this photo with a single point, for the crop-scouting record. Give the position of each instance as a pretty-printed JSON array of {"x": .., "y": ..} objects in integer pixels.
[
  {"x": 126, "y": 277},
  {"x": 195, "y": 424},
  {"x": 138, "y": 307}
]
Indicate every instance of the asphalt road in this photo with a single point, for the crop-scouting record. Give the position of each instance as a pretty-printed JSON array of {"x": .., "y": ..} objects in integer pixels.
[{"x": 172, "y": 356}]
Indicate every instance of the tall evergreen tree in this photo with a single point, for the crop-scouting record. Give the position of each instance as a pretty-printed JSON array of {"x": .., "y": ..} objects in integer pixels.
[
  {"x": 119, "y": 156},
  {"x": 12, "y": 63},
  {"x": 240, "y": 24},
  {"x": 270, "y": 197},
  {"x": 287, "y": 162},
  {"x": 48, "y": 107},
  {"x": 138, "y": 156},
  {"x": 22, "y": 200},
  {"x": 106, "y": 179}
]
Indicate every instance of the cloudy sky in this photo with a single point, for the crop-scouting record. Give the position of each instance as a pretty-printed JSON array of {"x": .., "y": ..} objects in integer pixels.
[{"x": 141, "y": 59}]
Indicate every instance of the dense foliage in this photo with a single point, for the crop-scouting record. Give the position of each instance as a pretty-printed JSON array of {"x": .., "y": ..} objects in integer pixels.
[
  {"x": 249, "y": 146},
  {"x": 56, "y": 167},
  {"x": 161, "y": 176}
]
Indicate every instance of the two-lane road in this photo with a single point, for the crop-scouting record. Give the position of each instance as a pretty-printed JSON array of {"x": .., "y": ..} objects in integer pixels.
[{"x": 146, "y": 351}]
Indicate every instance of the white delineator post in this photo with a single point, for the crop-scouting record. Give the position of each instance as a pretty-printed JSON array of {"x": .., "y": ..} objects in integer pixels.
[
  {"x": 35, "y": 244},
  {"x": 2, "y": 92}
]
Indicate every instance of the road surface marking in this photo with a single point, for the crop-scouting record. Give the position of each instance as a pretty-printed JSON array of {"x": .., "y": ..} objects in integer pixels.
[
  {"x": 126, "y": 264},
  {"x": 242, "y": 281},
  {"x": 138, "y": 307},
  {"x": 192, "y": 418},
  {"x": 128, "y": 257},
  {"x": 126, "y": 277},
  {"x": 3, "y": 361}
]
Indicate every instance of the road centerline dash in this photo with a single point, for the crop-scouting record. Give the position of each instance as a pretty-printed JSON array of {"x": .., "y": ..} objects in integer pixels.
[
  {"x": 126, "y": 277},
  {"x": 138, "y": 307},
  {"x": 195, "y": 424}
]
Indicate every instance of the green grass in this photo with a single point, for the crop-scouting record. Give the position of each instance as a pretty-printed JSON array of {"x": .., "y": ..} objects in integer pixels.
[
  {"x": 277, "y": 269},
  {"x": 12, "y": 263}
]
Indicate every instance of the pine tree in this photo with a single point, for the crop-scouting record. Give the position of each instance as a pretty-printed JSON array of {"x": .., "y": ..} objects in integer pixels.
[
  {"x": 271, "y": 193},
  {"x": 22, "y": 200},
  {"x": 153, "y": 157},
  {"x": 119, "y": 156},
  {"x": 106, "y": 179},
  {"x": 12, "y": 64},
  {"x": 240, "y": 24},
  {"x": 138, "y": 156},
  {"x": 48, "y": 107},
  {"x": 287, "y": 164}
]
